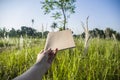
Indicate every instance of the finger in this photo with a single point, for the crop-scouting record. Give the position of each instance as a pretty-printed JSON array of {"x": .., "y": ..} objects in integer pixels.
[
  {"x": 50, "y": 58},
  {"x": 48, "y": 51},
  {"x": 53, "y": 54},
  {"x": 41, "y": 51},
  {"x": 56, "y": 50}
]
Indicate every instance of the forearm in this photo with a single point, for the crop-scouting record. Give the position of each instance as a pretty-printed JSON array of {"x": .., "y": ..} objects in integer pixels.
[
  {"x": 34, "y": 73},
  {"x": 43, "y": 63}
]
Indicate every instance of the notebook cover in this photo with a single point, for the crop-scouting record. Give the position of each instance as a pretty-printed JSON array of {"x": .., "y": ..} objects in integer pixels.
[{"x": 61, "y": 40}]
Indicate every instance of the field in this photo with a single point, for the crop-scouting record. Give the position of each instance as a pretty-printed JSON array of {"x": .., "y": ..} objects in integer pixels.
[{"x": 102, "y": 61}]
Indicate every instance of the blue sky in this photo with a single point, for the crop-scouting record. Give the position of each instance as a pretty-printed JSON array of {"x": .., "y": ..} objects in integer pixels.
[{"x": 102, "y": 14}]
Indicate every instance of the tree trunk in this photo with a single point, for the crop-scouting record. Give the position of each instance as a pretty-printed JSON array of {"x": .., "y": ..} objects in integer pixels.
[
  {"x": 64, "y": 21},
  {"x": 64, "y": 16}
]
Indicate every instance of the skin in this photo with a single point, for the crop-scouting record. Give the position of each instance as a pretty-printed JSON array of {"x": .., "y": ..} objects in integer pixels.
[{"x": 43, "y": 63}]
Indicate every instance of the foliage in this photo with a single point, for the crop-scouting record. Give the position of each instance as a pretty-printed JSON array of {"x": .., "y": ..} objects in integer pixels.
[
  {"x": 54, "y": 25},
  {"x": 12, "y": 33},
  {"x": 3, "y": 32},
  {"x": 107, "y": 33},
  {"x": 101, "y": 63},
  {"x": 31, "y": 32},
  {"x": 25, "y": 31},
  {"x": 60, "y": 9}
]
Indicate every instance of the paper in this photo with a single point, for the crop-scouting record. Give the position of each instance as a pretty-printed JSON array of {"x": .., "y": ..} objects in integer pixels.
[{"x": 61, "y": 40}]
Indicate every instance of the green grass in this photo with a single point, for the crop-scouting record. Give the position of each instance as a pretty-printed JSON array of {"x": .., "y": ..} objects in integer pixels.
[{"x": 101, "y": 63}]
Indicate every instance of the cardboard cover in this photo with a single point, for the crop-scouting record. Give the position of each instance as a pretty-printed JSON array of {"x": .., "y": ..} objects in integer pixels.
[{"x": 61, "y": 40}]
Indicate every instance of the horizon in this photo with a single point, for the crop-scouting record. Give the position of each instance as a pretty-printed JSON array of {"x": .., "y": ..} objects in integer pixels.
[{"x": 103, "y": 14}]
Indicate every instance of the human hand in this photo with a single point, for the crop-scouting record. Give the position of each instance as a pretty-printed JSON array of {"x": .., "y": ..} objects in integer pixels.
[
  {"x": 44, "y": 61},
  {"x": 45, "y": 58}
]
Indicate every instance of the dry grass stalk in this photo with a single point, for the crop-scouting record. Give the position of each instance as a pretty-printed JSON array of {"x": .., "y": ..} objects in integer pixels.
[
  {"x": 114, "y": 37},
  {"x": 42, "y": 31},
  {"x": 115, "y": 40},
  {"x": 87, "y": 36}
]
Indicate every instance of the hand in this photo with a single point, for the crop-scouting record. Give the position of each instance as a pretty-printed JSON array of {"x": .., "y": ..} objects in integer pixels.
[
  {"x": 45, "y": 58},
  {"x": 44, "y": 61}
]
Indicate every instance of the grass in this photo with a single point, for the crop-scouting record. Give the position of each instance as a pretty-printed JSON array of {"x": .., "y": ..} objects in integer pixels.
[{"x": 101, "y": 63}]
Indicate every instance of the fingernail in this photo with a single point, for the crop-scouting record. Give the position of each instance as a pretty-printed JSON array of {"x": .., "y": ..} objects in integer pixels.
[{"x": 49, "y": 49}]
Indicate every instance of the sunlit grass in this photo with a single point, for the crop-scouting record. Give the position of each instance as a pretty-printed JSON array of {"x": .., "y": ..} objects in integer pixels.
[{"x": 101, "y": 63}]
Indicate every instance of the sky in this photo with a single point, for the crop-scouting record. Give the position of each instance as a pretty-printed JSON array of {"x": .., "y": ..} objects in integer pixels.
[{"x": 102, "y": 14}]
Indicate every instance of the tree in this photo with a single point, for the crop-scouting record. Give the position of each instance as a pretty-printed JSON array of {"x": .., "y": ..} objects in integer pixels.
[
  {"x": 32, "y": 22},
  {"x": 109, "y": 32},
  {"x": 3, "y": 32},
  {"x": 13, "y": 33},
  {"x": 97, "y": 33},
  {"x": 18, "y": 33},
  {"x": 60, "y": 9},
  {"x": 118, "y": 36},
  {"x": 38, "y": 34},
  {"x": 54, "y": 25},
  {"x": 28, "y": 31},
  {"x": 23, "y": 30},
  {"x": 45, "y": 33}
]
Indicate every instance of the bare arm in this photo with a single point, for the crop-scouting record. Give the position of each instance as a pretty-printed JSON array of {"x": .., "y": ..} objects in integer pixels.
[{"x": 44, "y": 61}]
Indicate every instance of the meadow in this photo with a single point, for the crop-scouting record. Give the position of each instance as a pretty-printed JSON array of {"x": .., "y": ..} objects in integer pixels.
[{"x": 102, "y": 61}]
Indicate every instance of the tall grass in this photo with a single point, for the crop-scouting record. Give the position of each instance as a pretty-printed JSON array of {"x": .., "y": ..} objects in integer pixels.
[{"x": 101, "y": 63}]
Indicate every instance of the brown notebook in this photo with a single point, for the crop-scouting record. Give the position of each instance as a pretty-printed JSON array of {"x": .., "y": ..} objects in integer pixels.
[{"x": 61, "y": 40}]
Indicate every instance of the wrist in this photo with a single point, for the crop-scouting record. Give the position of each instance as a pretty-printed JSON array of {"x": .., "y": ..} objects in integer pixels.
[{"x": 42, "y": 67}]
